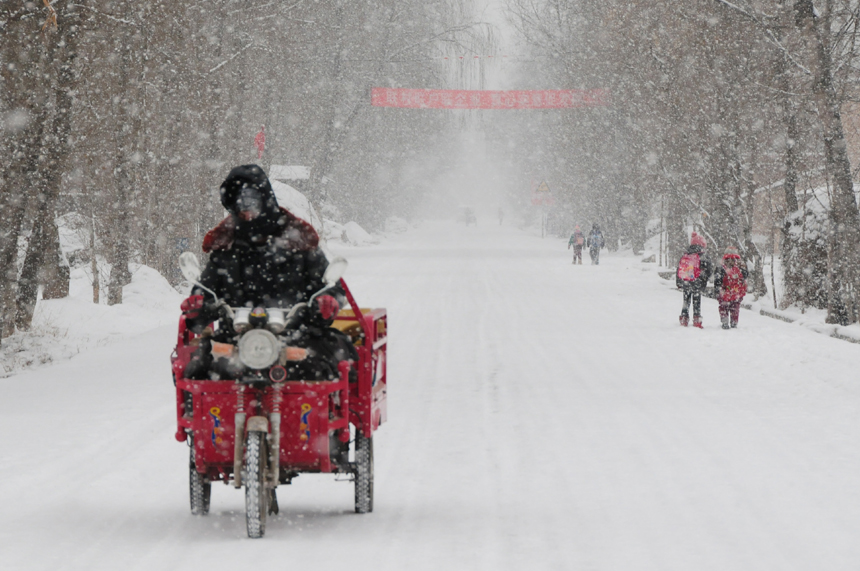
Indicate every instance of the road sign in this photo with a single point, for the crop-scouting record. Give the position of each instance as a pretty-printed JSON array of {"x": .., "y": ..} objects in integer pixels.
[{"x": 542, "y": 196}]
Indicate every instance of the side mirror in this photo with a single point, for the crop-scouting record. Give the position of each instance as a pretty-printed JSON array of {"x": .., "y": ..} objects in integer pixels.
[
  {"x": 190, "y": 267},
  {"x": 332, "y": 275},
  {"x": 191, "y": 270},
  {"x": 335, "y": 270}
]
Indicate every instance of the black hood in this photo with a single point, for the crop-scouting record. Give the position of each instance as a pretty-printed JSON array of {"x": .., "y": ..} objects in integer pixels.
[{"x": 270, "y": 221}]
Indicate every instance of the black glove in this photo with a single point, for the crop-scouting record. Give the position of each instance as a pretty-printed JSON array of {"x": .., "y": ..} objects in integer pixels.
[{"x": 199, "y": 313}]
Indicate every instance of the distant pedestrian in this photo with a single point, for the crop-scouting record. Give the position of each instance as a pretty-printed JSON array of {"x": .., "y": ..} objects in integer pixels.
[
  {"x": 730, "y": 285},
  {"x": 501, "y": 215},
  {"x": 595, "y": 243},
  {"x": 694, "y": 270},
  {"x": 577, "y": 240}
]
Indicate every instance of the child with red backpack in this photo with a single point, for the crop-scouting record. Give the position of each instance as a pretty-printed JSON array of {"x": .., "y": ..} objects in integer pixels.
[
  {"x": 577, "y": 239},
  {"x": 694, "y": 270},
  {"x": 730, "y": 285}
]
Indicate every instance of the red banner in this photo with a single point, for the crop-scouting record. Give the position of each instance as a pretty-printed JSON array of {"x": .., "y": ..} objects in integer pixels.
[{"x": 466, "y": 99}]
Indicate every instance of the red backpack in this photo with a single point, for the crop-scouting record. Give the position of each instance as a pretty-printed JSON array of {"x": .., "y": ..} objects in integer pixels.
[
  {"x": 734, "y": 284},
  {"x": 688, "y": 268}
]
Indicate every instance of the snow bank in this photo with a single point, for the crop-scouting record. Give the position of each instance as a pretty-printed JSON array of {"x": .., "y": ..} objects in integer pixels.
[
  {"x": 350, "y": 233},
  {"x": 63, "y": 328},
  {"x": 396, "y": 225},
  {"x": 357, "y": 236},
  {"x": 333, "y": 231}
]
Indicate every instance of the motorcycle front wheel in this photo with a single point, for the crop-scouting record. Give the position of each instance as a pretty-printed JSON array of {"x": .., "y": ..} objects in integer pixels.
[
  {"x": 200, "y": 490},
  {"x": 254, "y": 478},
  {"x": 363, "y": 474}
]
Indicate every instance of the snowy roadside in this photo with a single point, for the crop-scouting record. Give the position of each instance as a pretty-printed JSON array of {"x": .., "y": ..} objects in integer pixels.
[
  {"x": 63, "y": 328},
  {"x": 810, "y": 318}
]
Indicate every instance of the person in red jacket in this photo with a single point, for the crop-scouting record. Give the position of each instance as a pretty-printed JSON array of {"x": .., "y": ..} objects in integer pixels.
[{"x": 730, "y": 285}]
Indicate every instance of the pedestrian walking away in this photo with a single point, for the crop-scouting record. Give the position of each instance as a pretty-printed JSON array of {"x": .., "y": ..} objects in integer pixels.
[
  {"x": 577, "y": 240},
  {"x": 595, "y": 243},
  {"x": 691, "y": 277},
  {"x": 730, "y": 284}
]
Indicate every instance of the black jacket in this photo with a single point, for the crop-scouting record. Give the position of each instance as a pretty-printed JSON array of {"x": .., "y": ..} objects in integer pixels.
[
  {"x": 276, "y": 273},
  {"x": 595, "y": 239},
  {"x": 705, "y": 270},
  {"x": 273, "y": 261}
]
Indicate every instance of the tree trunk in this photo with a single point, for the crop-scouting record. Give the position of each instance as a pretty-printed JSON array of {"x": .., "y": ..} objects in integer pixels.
[
  {"x": 324, "y": 155},
  {"x": 24, "y": 187},
  {"x": 789, "y": 252},
  {"x": 26, "y": 95},
  {"x": 129, "y": 130},
  {"x": 844, "y": 216},
  {"x": 56, "y": 270},
  {"x": 28, "y": 283},
  {"x": 745, "y": 214},
  {"x": 44, "y": 263},
  {"x": 94, "y": 263},
  {"x": 676, "y": 235}
]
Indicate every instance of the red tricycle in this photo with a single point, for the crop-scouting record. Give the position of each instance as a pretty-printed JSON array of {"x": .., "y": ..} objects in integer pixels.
[{"x": 261, "y": 430}]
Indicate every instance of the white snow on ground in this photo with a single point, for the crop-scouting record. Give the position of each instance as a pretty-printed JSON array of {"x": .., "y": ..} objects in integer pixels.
[
  {"x": 65, "y": 327},
  {"x": 541, "y": 416},
  {"x": 396, "y": 225},
  {"x": 357, "y": 236}
]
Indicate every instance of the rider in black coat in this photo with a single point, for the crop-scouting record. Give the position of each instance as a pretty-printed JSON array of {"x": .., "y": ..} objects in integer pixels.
[{"x": 262, "y": 255}]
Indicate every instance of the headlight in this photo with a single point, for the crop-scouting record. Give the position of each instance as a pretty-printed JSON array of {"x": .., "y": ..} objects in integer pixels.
[
  {"x": 241, "y": 319},
  {"x": 258, "y": 349},
  {"x": 276, "y": 322}
]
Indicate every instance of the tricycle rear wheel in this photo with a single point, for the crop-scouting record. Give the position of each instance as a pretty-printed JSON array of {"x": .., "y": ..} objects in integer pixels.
[
  {"x": 200, "y": 490},
  {"x": 254, "y": 478},
  {"x": 363, "y": 473}
]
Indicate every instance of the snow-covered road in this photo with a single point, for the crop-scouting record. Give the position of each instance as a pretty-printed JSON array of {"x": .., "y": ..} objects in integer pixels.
[{"x": 541, "y": 415}]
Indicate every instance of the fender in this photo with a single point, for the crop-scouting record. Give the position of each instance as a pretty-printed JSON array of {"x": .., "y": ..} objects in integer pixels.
[
  {"x": 257, "y": 424},
  {"x": 238, "y": 446},
  {"x": 275, "y": 449}
]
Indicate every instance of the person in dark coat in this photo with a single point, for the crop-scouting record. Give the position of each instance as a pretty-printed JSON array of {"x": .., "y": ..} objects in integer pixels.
[
  {"x": 694, "y": 270},
  {"x": 730, "y": 285},
  {"x": 262, "y": 255},
  {"x": 595, "y": 243}
]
